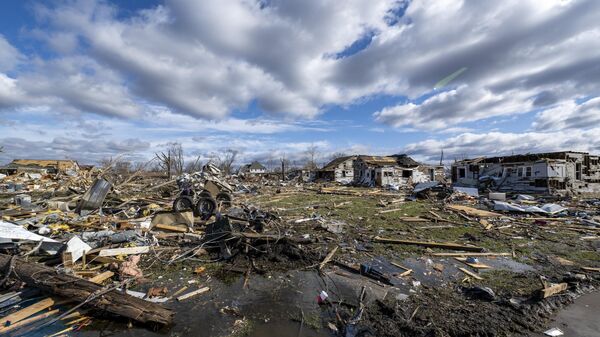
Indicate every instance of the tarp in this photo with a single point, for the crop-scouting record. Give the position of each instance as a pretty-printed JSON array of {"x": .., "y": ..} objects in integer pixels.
[{"x": 547, "y": 208}]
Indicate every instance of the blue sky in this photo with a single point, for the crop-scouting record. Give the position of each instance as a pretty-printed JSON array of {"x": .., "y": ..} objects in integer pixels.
[{"x": 90, "y": 79}]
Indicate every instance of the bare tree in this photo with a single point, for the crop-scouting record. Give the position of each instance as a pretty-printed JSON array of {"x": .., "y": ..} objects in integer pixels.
[
  {"x": 311, "y": 153},
  {"x": 171, "y": 160},
  {"x": 194, "y": 166},
  {"x": 337, "y": 155},
  {"x": 227, "y": 160}
]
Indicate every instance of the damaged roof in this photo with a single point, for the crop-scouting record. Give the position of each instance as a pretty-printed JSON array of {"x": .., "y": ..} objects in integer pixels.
[
  {"x": 397, "y": 159},
  {"x": 522, "y": 157},
  {"x": 334, "y": 163}
]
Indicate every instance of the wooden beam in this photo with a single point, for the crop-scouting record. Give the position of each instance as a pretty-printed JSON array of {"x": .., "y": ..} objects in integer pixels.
[
  {"x": 470, "y": 254},
  {"x": 27, "y": 311},
  {"x": 173, "y": 228},
  {"x": 470, "y": 273},
  {"x": 472, "y": 265},
  {"x": 124, "y": 251},
  {"x": 193, "y": 293},
  {"x": 444, "y": 245},
  {"x": 27, "y": 321},
  {"x": 98, "y": 279},
  {"x": 328, "y": 257}
]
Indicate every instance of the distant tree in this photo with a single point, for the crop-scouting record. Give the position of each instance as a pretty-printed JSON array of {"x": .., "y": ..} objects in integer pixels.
[
  {"x": 194, "y": 166},
  {"x": 171, "y": 160},
  {"x": 225, "y": 160},
  {"x": 311, "y": 154},
  {"x": 337, "y": 155}
]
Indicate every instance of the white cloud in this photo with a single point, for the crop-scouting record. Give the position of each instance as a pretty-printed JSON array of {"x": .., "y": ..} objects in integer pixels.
[
  {"x": 569, "y": 115},
  {"x": 470, "y": 145}
]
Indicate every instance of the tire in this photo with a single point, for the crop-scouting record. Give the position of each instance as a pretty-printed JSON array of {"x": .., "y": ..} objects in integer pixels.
[
  {"x": 205, "y": 194},
  {"x": 206, "y": 207},
  {"x": 224, "y": 199},
  {"x": 183, "y": 203}
]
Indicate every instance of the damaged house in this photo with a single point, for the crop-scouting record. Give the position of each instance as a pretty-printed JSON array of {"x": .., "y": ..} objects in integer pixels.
[
  {"x": 340, "y": 170},
  {"x": 395, "y": 170},
  {"x": 42, "y": 166},
  {"x": 253, "y": 168},
  {"x": 565, "y": 171}
]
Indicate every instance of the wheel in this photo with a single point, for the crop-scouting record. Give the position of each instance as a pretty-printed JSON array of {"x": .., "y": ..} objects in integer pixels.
[
  {"x": 224, "y": 199},
  {"x": 205, "y": 193},
  {"x": 205, "y": 207},
  {"x": 182, "y": 204}
]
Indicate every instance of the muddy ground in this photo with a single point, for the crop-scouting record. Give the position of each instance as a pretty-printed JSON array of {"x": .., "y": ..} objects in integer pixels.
[{"x": 271, "y": 289}]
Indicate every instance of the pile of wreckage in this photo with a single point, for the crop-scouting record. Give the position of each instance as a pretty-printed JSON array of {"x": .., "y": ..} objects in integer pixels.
[{"x": 68, "y": 252}]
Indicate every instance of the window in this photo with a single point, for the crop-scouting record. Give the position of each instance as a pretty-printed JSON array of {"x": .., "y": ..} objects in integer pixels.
[
  {"x": 462, "y": 172},
  {"x": 528, "y": 171},
  {"x": 344, "y": 174},
  {"x": 387, "y": 174},
  {"x": 406, "y": 173},
  {"x": 519, "y": 172}
]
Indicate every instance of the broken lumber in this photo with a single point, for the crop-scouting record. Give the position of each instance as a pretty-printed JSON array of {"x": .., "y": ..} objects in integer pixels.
[
  {"x": 552, "y": 290},
  {"x": 591, "y": 269},
  {"x": 328, "y": 257},
  {"x": 472, "y": 265},
  {"x": 193, "y": 293},
  {"x": 76, "y": 289},
  {"x": 472, "y": 211},
  {"x": 27, "y": 311},
  {"x": 470, "y": 254},
  {"x": 470, "y": 273},
  {"x": 172, "y": 228},
  {"x": 5, "y": 329},
  {"x": 124, "y": 251},
  {"x": 444, "y": 245},
  {"x": 98, "y": 279}
]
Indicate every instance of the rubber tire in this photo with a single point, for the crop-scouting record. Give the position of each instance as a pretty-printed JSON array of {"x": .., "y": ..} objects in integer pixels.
[
  {"x": 183, "y": 203},
  {"x": 225, "y": 199},
  {"x": 205, "y": 194},
  {"x": 206, "y": 207}
]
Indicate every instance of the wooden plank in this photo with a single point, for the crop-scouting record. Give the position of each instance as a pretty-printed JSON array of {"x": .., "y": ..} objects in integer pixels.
[
  {"x": 470, "y": 273},
  {"x": 591, "y": 269},
  {"x": 472, "y": 265},
  {"x": 474, "y": 211},
  {"x": 470, "y": 254},
  {"x": 173, "y": 228},
  {"x": 328, "y": 257},
  {"x": 27, "y": 311},
  {"x": 98, "y": 279},
  {"x": 444, "y": 245},
  {"x": 124, "y": 251},
  {"x": 27, "y": 321},
  {"x": 193, "y": 293},
  {"x": 553, "y": 290}
]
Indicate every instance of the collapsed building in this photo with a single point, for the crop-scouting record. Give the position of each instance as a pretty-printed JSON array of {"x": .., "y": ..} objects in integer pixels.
[
  {"x": 565, "y": 171},
  {"x": 395, "y": 170},
  {"x": 339, "y": 169},
  {"x": 42, "y": 166}
]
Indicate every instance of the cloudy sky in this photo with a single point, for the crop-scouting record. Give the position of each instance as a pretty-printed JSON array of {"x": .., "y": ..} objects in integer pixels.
[{"x": 92, "y": 79}]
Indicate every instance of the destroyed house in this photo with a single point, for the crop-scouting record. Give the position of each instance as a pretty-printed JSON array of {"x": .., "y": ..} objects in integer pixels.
[
  {"x": 253, "y": 168},
  {"x": 339, "y": 169},
  {"x": 395, "y": 170},
  {"x": 531, "y": 173},
  {"x": 44, "y": 166}
]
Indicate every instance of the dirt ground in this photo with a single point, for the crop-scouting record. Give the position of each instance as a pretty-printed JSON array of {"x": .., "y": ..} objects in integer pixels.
[{"x": 274, "y": 284}]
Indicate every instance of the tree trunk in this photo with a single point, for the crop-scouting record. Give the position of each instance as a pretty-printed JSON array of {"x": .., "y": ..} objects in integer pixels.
[{"x": 50, "y": 281}]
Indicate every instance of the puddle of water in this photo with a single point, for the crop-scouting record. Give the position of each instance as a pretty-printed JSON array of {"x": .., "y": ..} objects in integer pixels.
[{"x": 270, "y": 306}]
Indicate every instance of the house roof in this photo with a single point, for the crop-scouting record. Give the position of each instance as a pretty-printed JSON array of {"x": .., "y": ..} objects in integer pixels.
[
  {"x": 334, "y": 163},
  {"x": 397, "y": 159},
  {"x": 522, "y": 157},
  {"x": 256, "y": 166}
]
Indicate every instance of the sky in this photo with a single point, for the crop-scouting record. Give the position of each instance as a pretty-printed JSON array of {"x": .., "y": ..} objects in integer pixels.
[{"x": 91, "y": 79}]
